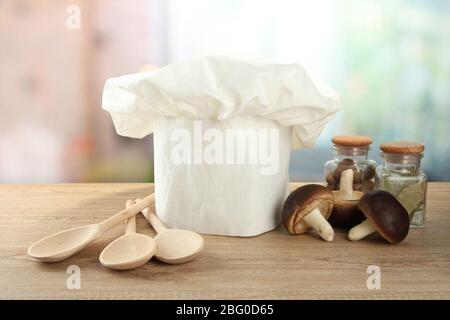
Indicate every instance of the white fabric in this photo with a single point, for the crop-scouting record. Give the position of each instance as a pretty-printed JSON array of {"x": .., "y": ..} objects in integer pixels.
[{"x": 222, "y": 93}]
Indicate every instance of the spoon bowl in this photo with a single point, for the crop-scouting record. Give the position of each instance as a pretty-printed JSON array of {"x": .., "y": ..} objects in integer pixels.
[
  {"x": 177, "y": 246},
  {"x": 129, "y": 251},
  {"x": 62, "y": 245}
]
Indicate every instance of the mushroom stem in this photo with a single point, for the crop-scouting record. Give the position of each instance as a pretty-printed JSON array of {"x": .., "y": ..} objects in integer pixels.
[
  {"x": 316, "y": 221},
  {"x": 362, "y": 230},
  {"x": 346, "y": 185}
]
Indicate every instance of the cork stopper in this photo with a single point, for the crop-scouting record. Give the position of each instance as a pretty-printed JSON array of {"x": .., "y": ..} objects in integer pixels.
[
  {"x": 351, "y": 141},
  {"x": 402, "y": 147}
]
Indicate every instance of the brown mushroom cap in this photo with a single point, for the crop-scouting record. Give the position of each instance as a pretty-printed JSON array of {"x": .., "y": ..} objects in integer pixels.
[
  {"x": 345, "y": 213},
  {"x": 343, "y": 165},
  {"x": 386, "y": 214},
  {"x": 367, "y": 186},
  {"x": 301, "y": 202},
  {"x": 368, "y": 173}
]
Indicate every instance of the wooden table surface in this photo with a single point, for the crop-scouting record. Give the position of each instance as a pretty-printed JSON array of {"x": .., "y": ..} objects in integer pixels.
[{"x": 271, "y": 266}]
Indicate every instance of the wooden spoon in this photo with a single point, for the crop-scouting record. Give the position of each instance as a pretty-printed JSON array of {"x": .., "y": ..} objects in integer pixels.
[
  {"x": 175, "y": 246},
  {"x": 62, "y": 245},
  {"x": 129, "y": 251}
]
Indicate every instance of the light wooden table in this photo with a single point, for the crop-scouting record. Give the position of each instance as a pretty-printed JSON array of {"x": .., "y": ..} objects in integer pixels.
[{"x": 272, "y": 266}]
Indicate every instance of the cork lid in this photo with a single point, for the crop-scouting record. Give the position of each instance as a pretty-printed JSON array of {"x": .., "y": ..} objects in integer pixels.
[
  {"x": 352, "y": 141},
  {"x": 402, "y": 147}
]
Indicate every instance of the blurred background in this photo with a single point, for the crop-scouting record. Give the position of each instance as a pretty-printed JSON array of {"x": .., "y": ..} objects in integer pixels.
[{"x": 390, "y": 60}]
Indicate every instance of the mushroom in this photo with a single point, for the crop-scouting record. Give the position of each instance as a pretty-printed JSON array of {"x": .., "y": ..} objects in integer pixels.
[
  {"x": 368, "y": 173},
  {"x": 367, "y": 186},
  {"x": 343, "y": 165},
  {"x": 385, "y": 214},
  {"x": 357, "y": 176},
  {"x": 330, "y": 179},
  {"x": 345, "y": 212},
  {"x": 367, "y": 179},
  {"x": 308, "y": 207}
]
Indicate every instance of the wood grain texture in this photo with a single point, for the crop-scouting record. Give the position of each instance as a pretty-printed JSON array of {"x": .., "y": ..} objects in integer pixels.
[
  {"x": 402, "y": 147},
  {"x": 275, "y": 265}
]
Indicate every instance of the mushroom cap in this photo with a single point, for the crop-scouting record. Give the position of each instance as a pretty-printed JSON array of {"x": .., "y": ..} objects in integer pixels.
[
  {"x": 386, "y": 214},
  {"x": 368, "y": 173},
  {"x": 345, "y": 213},
  {"x": 343, "y": 165},
  {"x": 301, "y": 202}
]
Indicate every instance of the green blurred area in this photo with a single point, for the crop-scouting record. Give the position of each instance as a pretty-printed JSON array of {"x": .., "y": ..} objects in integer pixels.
[{"x": 395, "y": 71}]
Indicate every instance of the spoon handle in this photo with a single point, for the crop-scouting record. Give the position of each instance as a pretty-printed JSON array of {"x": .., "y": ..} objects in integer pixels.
[
  {"x": 126, "y": 213},
  {"x": 150, "y": 215},
  {"x": 130, "y": 226}
]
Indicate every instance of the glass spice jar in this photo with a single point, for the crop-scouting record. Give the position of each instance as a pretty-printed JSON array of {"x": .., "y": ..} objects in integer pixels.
[
  {"x": 351, "y": 152},
  {"x": 400, "y": 174}
]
